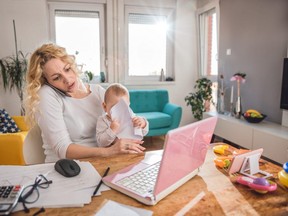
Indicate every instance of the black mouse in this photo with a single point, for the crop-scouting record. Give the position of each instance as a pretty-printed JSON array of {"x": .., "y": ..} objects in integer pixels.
[{"x": 67, "y": 167}]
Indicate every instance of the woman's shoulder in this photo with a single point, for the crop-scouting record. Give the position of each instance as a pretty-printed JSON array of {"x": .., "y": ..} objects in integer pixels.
[
  {"x": 45, "y": 89},
  {"x": 47, "y": 92},
  {"x": 50, "y": 99},
  {"x": 96, "y": 88}
]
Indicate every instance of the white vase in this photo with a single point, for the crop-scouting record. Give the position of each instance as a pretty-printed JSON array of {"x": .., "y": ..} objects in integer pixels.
[{"x": 238, "y": 108}]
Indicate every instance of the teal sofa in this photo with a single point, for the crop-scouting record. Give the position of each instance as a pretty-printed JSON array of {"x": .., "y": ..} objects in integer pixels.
[{"x": 155, "y": 107}]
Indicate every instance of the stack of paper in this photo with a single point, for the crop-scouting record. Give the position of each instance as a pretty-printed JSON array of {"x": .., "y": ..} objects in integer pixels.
[
  {"x": 63, "y": 192},
  {"x": 111, "y": 208}
]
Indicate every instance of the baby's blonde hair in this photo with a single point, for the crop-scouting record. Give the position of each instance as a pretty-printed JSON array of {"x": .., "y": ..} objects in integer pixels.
[
  {"x": 35, "y": 76},
  {"x": 116, "y": 89}
]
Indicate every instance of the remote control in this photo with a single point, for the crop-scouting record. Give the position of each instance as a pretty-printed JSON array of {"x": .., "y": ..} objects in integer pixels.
[{"x": 9, "y": 196}]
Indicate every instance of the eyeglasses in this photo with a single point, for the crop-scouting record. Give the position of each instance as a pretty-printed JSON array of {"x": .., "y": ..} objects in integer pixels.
[{"x": 31, "y": 193}]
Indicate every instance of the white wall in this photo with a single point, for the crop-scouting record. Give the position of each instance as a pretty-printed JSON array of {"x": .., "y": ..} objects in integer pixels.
[
  {"x": 258, "y": 41},
  {"x": 31, "y": 25},
  {"x": 31, "y": 18}
]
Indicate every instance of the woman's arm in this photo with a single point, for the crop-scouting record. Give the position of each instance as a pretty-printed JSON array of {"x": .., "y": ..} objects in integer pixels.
[
  {"x": 121, "y": 146},
  {"x": 54, "y": 132}
]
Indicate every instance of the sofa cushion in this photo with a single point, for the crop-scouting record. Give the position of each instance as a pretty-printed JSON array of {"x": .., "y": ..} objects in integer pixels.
[
  {"x": 11, "y": 148},
  {"x": 156, "y": 119},
  {"x": 148, "y": 100},
  {"x": 7, "y": 124},
  {"x": 20, "y": 122}
]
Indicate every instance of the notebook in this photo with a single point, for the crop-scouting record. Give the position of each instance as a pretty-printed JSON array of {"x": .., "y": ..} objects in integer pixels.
[{"x": 183, "y": 153}]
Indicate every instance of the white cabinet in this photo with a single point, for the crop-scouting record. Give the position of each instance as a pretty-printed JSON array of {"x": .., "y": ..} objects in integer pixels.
[
  {"x": 273, "y": 138},
  {"x": 234, "y": 131}
]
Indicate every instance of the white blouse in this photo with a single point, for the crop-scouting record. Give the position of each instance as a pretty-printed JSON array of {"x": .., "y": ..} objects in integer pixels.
[{"x": 65, "y": 120}]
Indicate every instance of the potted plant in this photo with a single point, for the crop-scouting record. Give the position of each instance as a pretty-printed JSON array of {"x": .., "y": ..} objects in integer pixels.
[
  {"x": 201, "y": 99},
  {"x": 13, "y": 69},
  {"x": 89, "y": 75}
]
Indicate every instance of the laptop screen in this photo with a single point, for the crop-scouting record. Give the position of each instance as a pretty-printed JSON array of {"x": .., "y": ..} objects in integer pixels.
[{"x": 185, "y": 150}]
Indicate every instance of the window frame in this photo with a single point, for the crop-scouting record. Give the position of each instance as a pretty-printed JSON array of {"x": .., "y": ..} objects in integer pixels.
[
  {"x": 170, "y": 39},
  {"x": 214, "y": 5},
  {"x": 98, "y": 7}
]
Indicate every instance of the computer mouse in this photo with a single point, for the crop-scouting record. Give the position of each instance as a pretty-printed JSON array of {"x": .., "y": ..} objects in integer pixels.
[{"x": 67, "y": 167}]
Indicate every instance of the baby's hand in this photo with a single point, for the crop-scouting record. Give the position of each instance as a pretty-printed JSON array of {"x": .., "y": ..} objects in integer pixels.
[
  {"x": 139, "y": 122},
  {"x": 114, "y": 126}
]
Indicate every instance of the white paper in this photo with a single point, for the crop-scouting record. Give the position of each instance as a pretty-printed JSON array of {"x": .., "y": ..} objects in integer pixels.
[
  {"x": 123, "y": 114},
  {"x": 63, "y": 192},
  {"x": 112, "y": 208}
]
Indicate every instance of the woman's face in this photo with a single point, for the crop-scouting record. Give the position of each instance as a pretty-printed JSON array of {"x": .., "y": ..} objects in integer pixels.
[{"x": 60, "y": 75}]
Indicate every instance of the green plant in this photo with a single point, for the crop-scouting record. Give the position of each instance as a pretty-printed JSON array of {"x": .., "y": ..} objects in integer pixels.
[
  {"x": 89, "y": 75},
  {"x": 13, "y": 69},
  {"x": 198, "y": 98}
]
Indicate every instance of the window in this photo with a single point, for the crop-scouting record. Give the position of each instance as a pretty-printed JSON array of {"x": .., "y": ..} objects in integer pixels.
[
  {"x": 80, "y": 29},
  {"x": 208, "y": 17},
  {"x": 208, "y": 41},
  {"x": 149, "y": 41},
  {"x": 131, "y": 41}
]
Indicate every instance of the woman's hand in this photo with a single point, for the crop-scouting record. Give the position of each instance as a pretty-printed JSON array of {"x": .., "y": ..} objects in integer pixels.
[
  {"x": 120, "y": 146},
  {"x": 123, "y": 146}
]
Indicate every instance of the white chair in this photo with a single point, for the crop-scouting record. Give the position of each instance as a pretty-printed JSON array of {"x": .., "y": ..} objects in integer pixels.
[{"x": 32, "y": 150}]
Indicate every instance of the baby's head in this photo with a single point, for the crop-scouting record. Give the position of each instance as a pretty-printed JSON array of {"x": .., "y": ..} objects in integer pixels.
[{"x": 113, "y": 94}]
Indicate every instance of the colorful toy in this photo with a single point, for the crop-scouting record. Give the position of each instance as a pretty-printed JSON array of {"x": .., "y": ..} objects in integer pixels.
[
  {"x": 224, "y": 149},
  {"x": 220, "y": 149},
  {"x": 223, "y": 161},
  {"x": 260, "y": 185},
  {"x": 283, "y": 175}
]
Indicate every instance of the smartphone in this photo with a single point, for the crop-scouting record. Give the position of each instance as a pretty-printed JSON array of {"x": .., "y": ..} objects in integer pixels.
[{"x": 57, "y": 90}]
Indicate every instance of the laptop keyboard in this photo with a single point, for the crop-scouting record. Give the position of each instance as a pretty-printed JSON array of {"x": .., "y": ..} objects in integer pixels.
[{"x": 142, "y": 182}]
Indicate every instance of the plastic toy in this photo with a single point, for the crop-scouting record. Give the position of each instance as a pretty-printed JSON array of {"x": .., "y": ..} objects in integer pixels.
[
  {"x": 223, "y": 161},
  {"x": 260, "y": 185},
  {"x": 285, "y": 167},
  {"x": 221, "y": 149},
  {"x": 224, "y": 149},
  {"x": 283, "y": 175}
]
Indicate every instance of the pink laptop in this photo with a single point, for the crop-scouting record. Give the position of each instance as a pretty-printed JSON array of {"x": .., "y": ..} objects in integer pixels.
[{"x": 158, "y": 175}]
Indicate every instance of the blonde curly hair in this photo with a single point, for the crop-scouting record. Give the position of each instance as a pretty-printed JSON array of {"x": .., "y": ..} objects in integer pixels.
[{"x": 35, "y": 76}]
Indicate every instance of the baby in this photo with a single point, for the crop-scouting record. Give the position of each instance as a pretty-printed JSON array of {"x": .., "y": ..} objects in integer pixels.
[{"x": 107, "y": 128}]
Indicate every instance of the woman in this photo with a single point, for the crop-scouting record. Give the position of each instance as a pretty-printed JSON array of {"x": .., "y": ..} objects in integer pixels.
[{"x": 65, "y": 109}]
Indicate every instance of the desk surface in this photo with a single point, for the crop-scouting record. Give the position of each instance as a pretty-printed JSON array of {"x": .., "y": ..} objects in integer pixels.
[{"x": 211, "y": 192}]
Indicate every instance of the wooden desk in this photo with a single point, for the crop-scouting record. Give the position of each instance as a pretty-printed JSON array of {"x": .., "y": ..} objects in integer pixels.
[{"x": 211, "y": 192}]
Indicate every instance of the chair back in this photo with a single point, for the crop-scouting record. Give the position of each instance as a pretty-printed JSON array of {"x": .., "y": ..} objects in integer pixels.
[
  {"x": 148, "y": 100},
  {"x": 33, "y": 151}
]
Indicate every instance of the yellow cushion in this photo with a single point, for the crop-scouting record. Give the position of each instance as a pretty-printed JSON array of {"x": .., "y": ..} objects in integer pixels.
[
  {"x": 11, "y": 148},
  {"x": 20, "y": 121},
  {"x": 11, "y": 144}
]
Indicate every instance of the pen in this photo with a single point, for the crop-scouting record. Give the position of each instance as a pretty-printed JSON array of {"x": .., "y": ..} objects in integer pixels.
[{"x": 100, "y": 183}]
